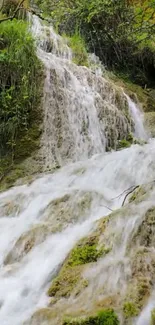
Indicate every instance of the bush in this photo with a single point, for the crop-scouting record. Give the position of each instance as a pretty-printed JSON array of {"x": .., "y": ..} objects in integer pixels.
[
  {"x": 78, "y": 46},
  {"x": 19, "y": 78},
  {"x": 121, "y": 32}
]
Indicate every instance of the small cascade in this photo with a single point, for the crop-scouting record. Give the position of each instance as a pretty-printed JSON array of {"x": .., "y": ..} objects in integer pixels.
[
  {"x": 145, "y": 316},
  {"x": 137, "y": 115}
]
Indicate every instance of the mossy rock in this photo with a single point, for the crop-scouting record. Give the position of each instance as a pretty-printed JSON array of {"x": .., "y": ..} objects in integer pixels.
[
  {"x": 86, "y": 254},
  {"x": 149, "y": 119},
  {"x": 11, "y": 208},
  {"x": 150, "y": 102},
  {"x": 140, "y": 285},
  {"x": 126, "y": 143},
  {"x": 141, "y": 193},
  {"x": 42, "y": 316},
  {"x": 122, "y": 144},
  {"x": 145, "y": 234},
  {"x": 153, "y": 317},
  {"x": 65, "y": 282},
  {"x": 137, "y": 195},
  {"x": 70, "y": 208},
  {"x": 69, "y": 279},
  {"x": 104, "y": 317},
  {"x": 130, "y": 310},
  {"x": 26, "y": 242}
]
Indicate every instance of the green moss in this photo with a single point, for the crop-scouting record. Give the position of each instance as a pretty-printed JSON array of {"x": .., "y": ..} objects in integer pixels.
[
  {"x": 69, "y": 278},
  {"x": 153, "y": 317},
  {"x": 123, "y": 144},
  {"x": 86, "y": 254},
  {"x": 138, "y": 292},
  {"x": 104, "y": 317},
  {"x": 130, "y": 310},
  {"x": 137, "y": 195},
  {"x": 65, "y": 282}
]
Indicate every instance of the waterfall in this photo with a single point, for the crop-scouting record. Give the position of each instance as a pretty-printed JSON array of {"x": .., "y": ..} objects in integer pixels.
[
  {"x": 140, "y": 132},
  {"x": 84, "y": 113},
  {"x": 42, "y": 220}
]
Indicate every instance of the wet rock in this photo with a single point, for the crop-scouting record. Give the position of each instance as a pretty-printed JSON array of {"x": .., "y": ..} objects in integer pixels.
[{"x": 26, "y": 242}]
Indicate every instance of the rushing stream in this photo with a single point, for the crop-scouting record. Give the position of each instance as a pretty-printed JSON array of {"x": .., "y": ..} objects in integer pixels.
[{"x": 29, "y": 212}]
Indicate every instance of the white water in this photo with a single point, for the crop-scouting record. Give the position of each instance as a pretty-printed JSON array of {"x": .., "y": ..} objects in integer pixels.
[
  {"x": 25, "y": 278},
  {"x": 23, "y": 285},
  {"x": 145, "y": 316},
  {"x": 137, "y": 115},
  {"x": 84, "y": 112}
]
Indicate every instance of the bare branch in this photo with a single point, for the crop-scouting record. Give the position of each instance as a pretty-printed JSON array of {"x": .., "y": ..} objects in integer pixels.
[
  {"x": 131, "y": 191},
  {"x": 128, "y": 189}
]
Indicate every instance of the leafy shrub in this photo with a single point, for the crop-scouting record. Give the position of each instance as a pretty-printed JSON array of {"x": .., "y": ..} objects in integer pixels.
[
  {"x": 121, "y": 32},
  {"x": 19, "y": 78},
  {"x": 78, "y": 46}
]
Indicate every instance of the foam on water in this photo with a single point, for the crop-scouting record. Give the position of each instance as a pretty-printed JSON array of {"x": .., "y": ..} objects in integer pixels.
[{"x": 24, "y": 284}]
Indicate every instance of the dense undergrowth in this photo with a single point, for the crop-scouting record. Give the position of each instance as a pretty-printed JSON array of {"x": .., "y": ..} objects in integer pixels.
[
  {"x": 20, "y": 93},
  {"x": 121, "y": 33}
]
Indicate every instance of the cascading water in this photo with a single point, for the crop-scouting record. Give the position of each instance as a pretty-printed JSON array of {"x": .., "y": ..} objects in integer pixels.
[
  {"x": 84, "y": 112},
  {"x": 43, "y": 220},
  {"x": 137, "y": 116}
]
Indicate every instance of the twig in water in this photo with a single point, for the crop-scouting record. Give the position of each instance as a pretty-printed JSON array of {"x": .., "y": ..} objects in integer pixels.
[
  {"x": 107, "y": 208},
  {"x": 129, "y": 193},
  {"x": 128, "y": 189}
]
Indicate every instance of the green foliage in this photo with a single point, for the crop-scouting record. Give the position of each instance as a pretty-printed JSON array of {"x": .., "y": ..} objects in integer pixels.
[
  {"x": 130, "y": 310},
  {"x": 19, "y": 90},
  {"x": 121, "y": 32},
  {"x": 78, "y": 46},
  {"x": 153, "y": 317},
  {"x": 107, "y": 317},
  {"x": 104, "y": 317}
]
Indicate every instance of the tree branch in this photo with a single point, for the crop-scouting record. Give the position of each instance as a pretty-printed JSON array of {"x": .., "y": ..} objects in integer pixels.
[{"x": 14, "y": 14}]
